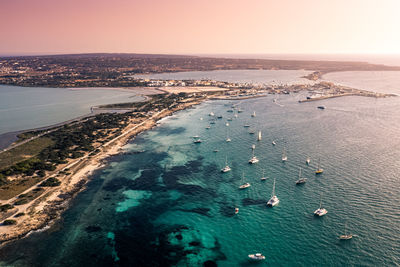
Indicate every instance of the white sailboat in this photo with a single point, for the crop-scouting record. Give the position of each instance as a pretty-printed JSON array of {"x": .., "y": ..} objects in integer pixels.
[
  {"x": 254, "y": 114},
  {"x": 284, "y": 156},
  {"x": 263, "y": 177},
  {"x": 346, "y": 236},
  {"x": 253, "y": 159},
  {"x": 301, "y": 180},
  {"x": 227, "y": 136},
  {"x": 273, "y": 142},
  {"x": 257, "y": 257},
  {"x": 226, "y": 168},
  {"x": 259, "y": 136},
  {"x": 308, "y": 160},
  {"x": 245, "y": 185},
  {"x": 211, "y": 114},
  {"x": 321, "y": 211},
  {"x": 274, "y": 200}
]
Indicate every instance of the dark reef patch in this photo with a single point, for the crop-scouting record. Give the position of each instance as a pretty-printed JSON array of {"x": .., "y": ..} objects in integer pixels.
[
  {"x": 201, "y": 211},
  {"x": 249, "y": 201},
  {"x": 93, "y": 229},
  {"x": 116, "y": 184}
]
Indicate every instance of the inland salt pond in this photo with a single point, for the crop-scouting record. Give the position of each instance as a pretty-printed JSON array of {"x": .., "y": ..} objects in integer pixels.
[
  {"x": 243, "y": 76},
  {"x": 164, "y": 201},
  {"x": 24, "y": 108}
]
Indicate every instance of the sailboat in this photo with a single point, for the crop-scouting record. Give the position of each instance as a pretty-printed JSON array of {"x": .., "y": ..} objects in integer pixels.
[
  {"x": 253, "y": 159},
  {"x": 208, "y": 127},
  {"x": 273, "y": 142},
  {"x": 308, "y": 160},
  {"x": 263, "y": 177},
  {"x": 345, "y": 236},
  {"x": 227, "y": 136},
  {"x": 321, "y": 211},
  {"x": 245, "y": 185},
  {"x": 236, "y": 210},
  {"x": 259, "y": 136},
  {"x": 197, "y": 141},
  {"x": 319, "y": 170},
  {"x": 254, "y": 114},
  {"x": 246, "y": 125},
  {"x": 274, "y": 199},
  {"x": 257, "y": 257},
  {"x": 226, "y": 168},
  {"x": 211, "y": 114},
  {"x": 240, "y": 110},
  {"x": 301, "y": 180},
  {"x": 284, "y": 157}
]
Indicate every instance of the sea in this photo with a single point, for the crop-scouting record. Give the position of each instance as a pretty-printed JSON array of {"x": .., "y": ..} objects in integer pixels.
[{"x": 165, "y": 202}]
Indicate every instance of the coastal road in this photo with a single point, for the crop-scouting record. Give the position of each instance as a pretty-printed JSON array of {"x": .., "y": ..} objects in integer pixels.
[{"x": 80, "y": 160}]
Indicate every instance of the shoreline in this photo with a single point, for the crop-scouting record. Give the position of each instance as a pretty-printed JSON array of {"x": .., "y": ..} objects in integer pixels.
[{"x": 47, "y": 208}]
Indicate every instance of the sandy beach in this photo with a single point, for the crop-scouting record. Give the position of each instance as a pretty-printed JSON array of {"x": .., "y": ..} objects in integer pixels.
[{"x": 46, "y": 208}]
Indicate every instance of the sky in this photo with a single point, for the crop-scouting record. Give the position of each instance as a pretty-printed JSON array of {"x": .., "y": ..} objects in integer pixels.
[{"x": 200, "y": 26}]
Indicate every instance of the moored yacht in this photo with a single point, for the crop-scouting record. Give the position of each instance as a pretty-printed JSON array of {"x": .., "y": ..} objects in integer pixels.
[
  {"x": 319, "y": 170},
  {"x": 274, "y": 200},
  {"x": 226, "y": 168},
  {"x": 257, "y": 257},
  {"x": 253, "y": 159},
  {"x": 273, "y": 142},
  {"x": 254, "y": 114},
  {"x": 245, "y": 185},
  {"x": 263, "y": 177},
  {"x": 308, "y": 160},
  {"x": 284, "y": 157},
  {"x": 197, "y": 141},
  {"x": 301, "y": 180},
  {"x": 321, "y": 211},
  {"x": 346, "y": 236}
]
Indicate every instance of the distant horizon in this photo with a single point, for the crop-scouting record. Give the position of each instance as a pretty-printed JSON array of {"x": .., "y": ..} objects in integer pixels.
[{"x": 379, "y": 58}]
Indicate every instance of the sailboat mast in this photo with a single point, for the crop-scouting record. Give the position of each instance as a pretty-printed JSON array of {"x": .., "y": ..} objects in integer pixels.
[
  {"x": 273, "y": 189},
  {"x": 320, "y": 202}
]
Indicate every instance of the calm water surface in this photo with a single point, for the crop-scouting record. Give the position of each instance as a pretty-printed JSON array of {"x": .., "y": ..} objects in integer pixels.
[
  {"x": 171, "y": 205},
  {"x": 245, "y": 76},
  {"x": 32, "y": 107}
]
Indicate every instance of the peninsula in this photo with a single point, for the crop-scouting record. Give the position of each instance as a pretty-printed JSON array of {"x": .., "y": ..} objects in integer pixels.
[{"x": 44, "y": 169}]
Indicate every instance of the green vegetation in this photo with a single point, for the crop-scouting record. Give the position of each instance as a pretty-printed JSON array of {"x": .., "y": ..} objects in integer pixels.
[
  {"x": 30, "y": 162},
  {"x": 28, "y": 197},
  {"x": 11, "y": 189},
  {"x": 9, "y": 222},
  {"x": 6, "y": 207},
  {"x": 24, "y": 151},
  {"x": 51, "y": 182}
]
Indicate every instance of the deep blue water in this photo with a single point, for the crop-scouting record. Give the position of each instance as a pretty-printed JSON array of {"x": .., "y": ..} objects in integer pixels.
[{"x": 171, "y": 205}]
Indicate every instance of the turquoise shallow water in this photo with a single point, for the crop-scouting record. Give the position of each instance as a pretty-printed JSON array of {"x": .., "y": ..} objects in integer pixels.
[{"x": 171, "y": 206}]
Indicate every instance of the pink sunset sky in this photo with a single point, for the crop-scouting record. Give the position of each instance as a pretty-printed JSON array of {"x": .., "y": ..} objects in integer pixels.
[{"x": 199, "y": 26}]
